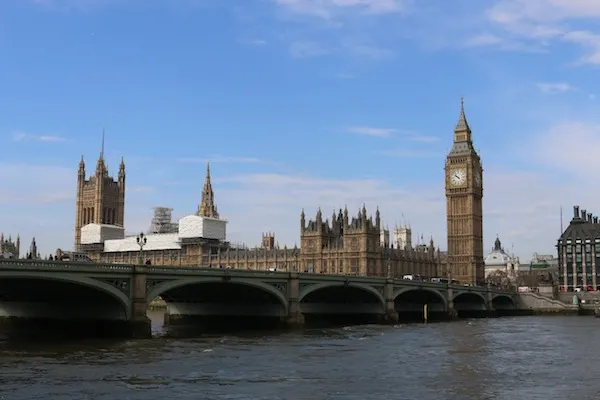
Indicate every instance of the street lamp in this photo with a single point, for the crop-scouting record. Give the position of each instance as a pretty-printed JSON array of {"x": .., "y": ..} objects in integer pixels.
[
  {"x": 389, "y": 266},
  {"x": 141, "y": 241}
]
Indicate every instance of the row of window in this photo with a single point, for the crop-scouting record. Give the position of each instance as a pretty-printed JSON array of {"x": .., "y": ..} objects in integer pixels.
[{"x": 577, "y": 248}]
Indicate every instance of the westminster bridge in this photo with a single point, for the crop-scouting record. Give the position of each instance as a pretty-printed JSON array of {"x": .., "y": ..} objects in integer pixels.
[{"x": 67, "y": 291}]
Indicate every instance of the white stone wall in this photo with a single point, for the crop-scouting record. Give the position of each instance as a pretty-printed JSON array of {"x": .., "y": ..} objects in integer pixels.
[{"x": 98, "y": 233}]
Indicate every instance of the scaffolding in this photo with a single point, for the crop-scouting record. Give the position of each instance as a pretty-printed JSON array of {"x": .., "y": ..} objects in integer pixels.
[{"x": 161, "y": 222}]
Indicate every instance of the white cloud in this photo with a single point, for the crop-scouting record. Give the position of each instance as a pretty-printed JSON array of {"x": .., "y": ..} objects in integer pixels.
[
  {"x": 370, "y": 131},
  {"x": 570, "y": 147},
  {"x": 544, "y": 21},
  {"x": 554, "y": 88},
  {"x": 330, "y": 8},
  {"x": 22, "y": 136}
]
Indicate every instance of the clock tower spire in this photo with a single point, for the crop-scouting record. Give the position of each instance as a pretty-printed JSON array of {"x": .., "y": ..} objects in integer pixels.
[{"x": 464, "y": 193}]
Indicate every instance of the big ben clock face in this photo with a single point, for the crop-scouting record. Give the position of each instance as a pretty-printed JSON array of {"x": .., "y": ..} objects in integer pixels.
[{"x": 458, "y": 176}]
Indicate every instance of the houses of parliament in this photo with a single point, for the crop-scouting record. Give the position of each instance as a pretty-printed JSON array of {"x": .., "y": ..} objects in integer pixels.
[{"x": 345, "y": 243}]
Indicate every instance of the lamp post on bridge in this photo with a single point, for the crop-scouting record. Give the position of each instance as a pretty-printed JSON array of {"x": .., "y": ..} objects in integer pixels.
[
  {"x": 389, "y": 266},
  {"x": 141, "y": 241}
]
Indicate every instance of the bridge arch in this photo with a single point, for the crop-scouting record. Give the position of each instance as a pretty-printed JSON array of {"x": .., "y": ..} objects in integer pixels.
[
  {"x": 79, "y": 280},
  {"x": 360, "y": 286},
  {"x": 463, "y": 295},
  {"x": 437, "y": 293},
  {"x": 503, "y": 301},
  {"x": 164, "y": 287}
]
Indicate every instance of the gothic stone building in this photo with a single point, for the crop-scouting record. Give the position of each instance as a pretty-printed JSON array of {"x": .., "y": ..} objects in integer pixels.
[
  {"x": 464, "y": 193},
  {"x": 100, "y": 199},
  {"x": 9, "y": 247},
  {"x": 579, "y": 252},
  {"x": 346, "y": 246}
]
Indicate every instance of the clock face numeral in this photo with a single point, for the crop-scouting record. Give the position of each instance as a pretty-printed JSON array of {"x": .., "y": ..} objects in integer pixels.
[{"x": 458, "y": 176}]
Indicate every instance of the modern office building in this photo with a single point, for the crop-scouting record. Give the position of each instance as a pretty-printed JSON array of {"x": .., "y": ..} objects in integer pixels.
[{"x": 579, "y": 252}]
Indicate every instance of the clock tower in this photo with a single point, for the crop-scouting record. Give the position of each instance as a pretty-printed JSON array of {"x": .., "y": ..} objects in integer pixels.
[{"x": 464, "y": 192}]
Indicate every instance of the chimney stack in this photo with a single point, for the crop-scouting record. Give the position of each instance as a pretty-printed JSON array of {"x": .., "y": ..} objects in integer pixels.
[
  {"x": 583, "y": 215},
  {"x": 575, "y": 212},
  {"x": 589, "y": 218}
]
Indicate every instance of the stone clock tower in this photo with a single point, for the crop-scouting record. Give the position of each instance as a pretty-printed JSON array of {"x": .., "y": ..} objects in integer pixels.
[{"x": 464, "y": 192}]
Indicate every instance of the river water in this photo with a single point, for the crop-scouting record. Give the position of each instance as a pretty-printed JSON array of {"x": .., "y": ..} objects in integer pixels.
[{"x": 504, "y": 358}]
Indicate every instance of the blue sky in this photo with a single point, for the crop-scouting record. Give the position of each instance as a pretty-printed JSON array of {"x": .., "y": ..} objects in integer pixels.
[{"x": 300, "y": 104}]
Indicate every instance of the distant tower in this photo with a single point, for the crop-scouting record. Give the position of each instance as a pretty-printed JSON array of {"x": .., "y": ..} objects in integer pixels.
[
  {"x": 10, "y": 246},
  {"x": 403, "y": 237},
  {"x": 384, "y": 240},
  {"x": 268, "y": 241},
  {"x": 207, "y": 207},
  {"x": 100, "y": 199},
  {"x": 33, "y": 251}
]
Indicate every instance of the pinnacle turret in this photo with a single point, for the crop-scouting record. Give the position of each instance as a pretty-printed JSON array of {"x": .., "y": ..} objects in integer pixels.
[
  {"x": 462, "y": 125},
  {"x": 207, "y": 207}
]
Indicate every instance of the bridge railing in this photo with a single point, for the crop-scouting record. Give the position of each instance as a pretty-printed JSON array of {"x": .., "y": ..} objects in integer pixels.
[{"x": 61, "y": 265}]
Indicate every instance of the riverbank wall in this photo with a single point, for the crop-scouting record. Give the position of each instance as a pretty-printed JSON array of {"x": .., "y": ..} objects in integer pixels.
[{"x": 535, "y": 304}]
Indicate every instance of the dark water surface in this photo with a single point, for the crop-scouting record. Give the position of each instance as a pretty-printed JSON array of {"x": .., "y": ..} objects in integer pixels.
[{"x": 505, "y": 358}]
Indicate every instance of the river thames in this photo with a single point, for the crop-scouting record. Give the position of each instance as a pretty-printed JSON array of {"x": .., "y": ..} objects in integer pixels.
[{"x": 505, "y": 358}]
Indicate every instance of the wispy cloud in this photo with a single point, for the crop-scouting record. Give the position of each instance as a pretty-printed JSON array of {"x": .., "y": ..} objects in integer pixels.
[
  {"x": 220, "y": 160},
  {"x": 22, "y": 136},
  {"x": 368, "y": 51},
  {"x": 547, "y": 21},
  {"x": 303, "y": 49},
  {"x": 388, "y": 132},
  {"x": 418, "y": 137},
  {"x": 328, "y": 9},
  {"x": 370, "y": 131},
  {"x": 253, "y": 42},
  {"x": 554, "y": 88}
]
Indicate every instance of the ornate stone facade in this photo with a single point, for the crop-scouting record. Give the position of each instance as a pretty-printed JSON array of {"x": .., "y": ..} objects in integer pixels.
[
  {"x": 100, "y": 199},
  {"x": 464, "y": 193},
  {"x": 10, "y": 247},
  {"x": 344, "y": 246},
  {"x": 352, "y": 246}
]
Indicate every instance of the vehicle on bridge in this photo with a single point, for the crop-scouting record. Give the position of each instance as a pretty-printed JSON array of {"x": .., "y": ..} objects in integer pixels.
[
  {"x": 413, "y": 278},
  {"x": 445, "y": 280}
]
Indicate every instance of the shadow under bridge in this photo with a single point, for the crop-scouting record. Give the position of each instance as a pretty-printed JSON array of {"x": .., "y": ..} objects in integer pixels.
[
  {"x": 66, "y": 306},
  {"x": 221, "y": 297},
  {"x": 470, "y": 305},
  {"x": 342, "y": 302},
  {"x": 418, "y": 304}
]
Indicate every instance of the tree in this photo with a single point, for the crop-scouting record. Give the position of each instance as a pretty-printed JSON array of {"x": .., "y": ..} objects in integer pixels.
[{"x": 500, "y": 279}]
